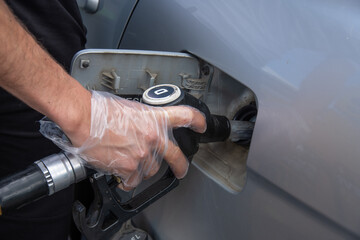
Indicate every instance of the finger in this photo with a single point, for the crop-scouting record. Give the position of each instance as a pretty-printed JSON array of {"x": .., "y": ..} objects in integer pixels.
[
  {"x": 124, "y": 188},
  {"x": 130, "y": 183},
  {"x": 152, "y": 169},
  {"x": 176, "y": 160},
  {"x": 121, "y": 184},
  {"x": 184, "y": 116}
]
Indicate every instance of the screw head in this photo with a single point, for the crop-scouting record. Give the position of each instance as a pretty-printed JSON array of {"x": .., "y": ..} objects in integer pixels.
[{"x": 84, "y": 63}]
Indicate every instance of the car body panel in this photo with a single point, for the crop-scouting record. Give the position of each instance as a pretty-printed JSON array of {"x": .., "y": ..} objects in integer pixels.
[
  {"x": 301, "y": 59},
  {"x": 106, "y": 25},
  {"x": 200, "y": 209}
]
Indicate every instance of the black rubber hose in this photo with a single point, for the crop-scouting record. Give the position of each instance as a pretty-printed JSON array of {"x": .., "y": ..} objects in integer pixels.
[{"x": 21, "y": 188}]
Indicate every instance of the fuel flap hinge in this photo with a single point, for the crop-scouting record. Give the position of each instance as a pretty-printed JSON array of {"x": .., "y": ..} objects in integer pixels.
[
  {"x": 198, "y": 86},
  {"x": 110, "y": 80}
]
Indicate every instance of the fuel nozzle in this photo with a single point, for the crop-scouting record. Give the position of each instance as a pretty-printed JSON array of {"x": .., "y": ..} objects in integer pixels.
[{"x": 219, "y": 128}]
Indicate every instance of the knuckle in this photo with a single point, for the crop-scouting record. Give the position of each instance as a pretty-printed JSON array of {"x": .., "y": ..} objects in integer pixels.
[
  {"x": 151, "y": 137},
  {"x": 144, "y": 153},
  {"x": 173, "y": 155},
  {"x": 190, "y": 115},
  {"x": 131, "y": 166}
]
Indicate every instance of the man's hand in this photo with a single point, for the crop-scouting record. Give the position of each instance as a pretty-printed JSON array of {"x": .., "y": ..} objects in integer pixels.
[{"x": 129, "y": 139}]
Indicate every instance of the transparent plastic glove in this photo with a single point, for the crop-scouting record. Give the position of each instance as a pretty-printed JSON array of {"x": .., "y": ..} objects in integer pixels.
[{"x": 129, "y": 139}]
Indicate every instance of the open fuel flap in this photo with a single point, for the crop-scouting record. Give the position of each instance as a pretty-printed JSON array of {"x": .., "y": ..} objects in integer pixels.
[{"x": 128, "y": 73}]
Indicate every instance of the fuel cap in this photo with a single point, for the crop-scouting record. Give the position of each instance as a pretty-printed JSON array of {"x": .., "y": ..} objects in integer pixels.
[{"x": 163, "y": 94}]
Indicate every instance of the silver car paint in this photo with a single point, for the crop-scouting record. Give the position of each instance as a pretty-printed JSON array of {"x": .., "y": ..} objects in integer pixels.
[
  {"x": 106, "y": 25},
  {"x": 301, "y": 59}
]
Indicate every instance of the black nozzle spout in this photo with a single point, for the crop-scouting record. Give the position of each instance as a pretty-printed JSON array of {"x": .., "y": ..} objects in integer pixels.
[{"x": 218, "y": 129}]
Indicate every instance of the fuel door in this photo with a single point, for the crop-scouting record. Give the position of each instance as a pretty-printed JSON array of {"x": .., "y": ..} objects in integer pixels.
[{"x": 128, "y": 73}]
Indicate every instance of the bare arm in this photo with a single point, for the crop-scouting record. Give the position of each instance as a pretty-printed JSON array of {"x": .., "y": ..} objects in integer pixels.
[{"x": 29, "y": 73}]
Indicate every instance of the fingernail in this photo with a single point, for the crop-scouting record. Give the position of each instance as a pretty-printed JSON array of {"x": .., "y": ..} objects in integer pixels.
[
  {"x": 186, "y": 171},
  {"x": 124, "y": 188},
  {"x": 199, "y": 130}
]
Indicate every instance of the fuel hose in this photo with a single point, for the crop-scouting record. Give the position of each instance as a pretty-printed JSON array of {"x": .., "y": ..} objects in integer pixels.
[{"x": 43, "y": 178}]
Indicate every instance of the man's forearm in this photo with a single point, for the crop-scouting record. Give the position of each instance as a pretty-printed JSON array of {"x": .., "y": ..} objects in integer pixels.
[{"x": 28, "y": 72}]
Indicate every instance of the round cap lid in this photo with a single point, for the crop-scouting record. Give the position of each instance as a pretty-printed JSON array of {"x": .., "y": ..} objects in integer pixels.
[{"x": 161, "y": 94}]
